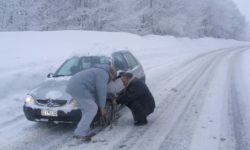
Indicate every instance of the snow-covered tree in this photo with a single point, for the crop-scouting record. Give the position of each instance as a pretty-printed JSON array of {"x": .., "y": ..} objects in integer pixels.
[{"x": 192, "y": 18}]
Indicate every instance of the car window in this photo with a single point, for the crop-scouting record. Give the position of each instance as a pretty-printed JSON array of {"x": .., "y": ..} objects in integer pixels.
[
  {"x": 131, "y": 60},
  {"x": 120, "y": 62},
  {"x": 90, "y": 61},
  {"x": 105, "y": 60},
  {"x": 76, "y": 64},
  {"x": 85, "y": 63},
  {"x": 70, "y": 67}
]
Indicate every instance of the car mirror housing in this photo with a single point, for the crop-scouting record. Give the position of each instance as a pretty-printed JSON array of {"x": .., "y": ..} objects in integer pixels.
[{"x": 50, "y": 75}]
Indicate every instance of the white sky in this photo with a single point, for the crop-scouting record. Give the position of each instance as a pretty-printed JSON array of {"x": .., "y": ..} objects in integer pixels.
[{"x": 244, "y": 5}]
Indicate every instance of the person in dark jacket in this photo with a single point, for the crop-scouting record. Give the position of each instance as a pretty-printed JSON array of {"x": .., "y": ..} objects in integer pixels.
[
  {"x": 89, "y": 89},
  {"x": 137, "y": 97}
]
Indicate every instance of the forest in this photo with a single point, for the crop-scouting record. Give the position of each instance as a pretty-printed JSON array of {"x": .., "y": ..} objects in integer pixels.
[{"x": 179, "y": 18}]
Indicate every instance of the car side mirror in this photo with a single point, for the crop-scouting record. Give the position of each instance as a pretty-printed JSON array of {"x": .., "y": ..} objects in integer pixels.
[{"x": 50, "y": 75}]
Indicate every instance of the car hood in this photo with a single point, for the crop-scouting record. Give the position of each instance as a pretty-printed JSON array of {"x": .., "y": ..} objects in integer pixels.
[{"x": 53, "y": 88}]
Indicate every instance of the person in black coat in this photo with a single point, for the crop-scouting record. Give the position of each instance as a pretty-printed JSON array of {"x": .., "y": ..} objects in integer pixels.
[{"x": 137, "y": 97}]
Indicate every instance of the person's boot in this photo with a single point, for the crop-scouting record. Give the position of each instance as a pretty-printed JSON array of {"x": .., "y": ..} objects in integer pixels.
[
  {"x": 141, "y": 122},
  {"x": 86, "y": 138}
]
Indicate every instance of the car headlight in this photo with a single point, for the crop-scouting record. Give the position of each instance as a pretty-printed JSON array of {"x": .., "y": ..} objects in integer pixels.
[
  {"x": 74, "y": 103},
  {"x": 29, "y": 99}
]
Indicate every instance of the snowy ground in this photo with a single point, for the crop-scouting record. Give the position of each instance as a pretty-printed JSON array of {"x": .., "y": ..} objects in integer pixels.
[{"x": 201, "y": 88}]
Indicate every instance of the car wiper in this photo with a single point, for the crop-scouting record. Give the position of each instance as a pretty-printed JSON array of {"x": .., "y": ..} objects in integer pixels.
[{"x": 59, "y": 75}]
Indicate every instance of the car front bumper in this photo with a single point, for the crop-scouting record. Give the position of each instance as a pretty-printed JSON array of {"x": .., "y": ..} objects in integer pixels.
[{"x": 34, "y": 114}]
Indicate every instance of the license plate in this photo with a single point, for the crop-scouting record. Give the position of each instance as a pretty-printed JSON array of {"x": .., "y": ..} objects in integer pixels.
[{"x": 45, "y": 112}]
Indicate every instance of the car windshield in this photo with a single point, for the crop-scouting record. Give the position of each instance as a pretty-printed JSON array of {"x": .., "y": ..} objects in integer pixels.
[{"x": 76, "y": 64}]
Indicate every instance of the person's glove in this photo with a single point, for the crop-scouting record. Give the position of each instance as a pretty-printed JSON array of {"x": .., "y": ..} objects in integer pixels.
[{"x": 103, "y": 111}]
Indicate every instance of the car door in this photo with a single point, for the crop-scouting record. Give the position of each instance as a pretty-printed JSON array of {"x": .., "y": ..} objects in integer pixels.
[
  {"x": 134, "y": 66},
  {"x": 120, "y": 64}
]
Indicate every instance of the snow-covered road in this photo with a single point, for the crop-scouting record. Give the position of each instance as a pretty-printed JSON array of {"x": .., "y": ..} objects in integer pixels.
[
  {"x": 199, "y": 106},
  {"x": 201, "y": 90}
]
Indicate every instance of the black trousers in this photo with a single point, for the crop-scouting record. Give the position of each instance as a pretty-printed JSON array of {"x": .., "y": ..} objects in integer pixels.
[{"x": 137, "y": 112}]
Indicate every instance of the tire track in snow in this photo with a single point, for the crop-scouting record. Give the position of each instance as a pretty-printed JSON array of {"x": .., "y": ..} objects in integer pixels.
[
  {"x": 11, "y": 121},
  {"x": 239, "y": 129},
  {"x": 181, "y": 135},
  {"x": 33, "y": 135}
]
